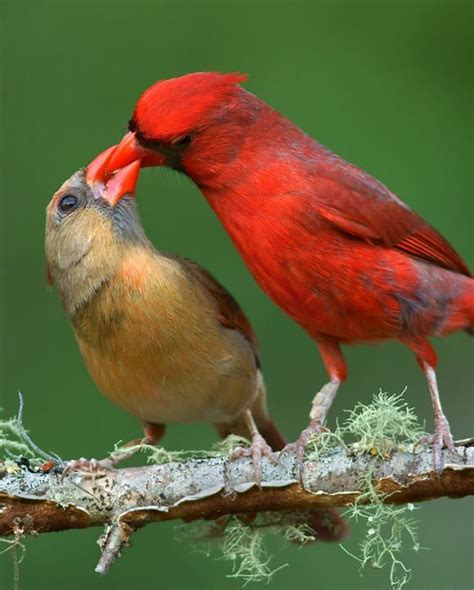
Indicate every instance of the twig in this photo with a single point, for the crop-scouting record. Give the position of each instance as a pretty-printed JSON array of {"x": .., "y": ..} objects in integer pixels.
[{"x": 116, "y": 537}]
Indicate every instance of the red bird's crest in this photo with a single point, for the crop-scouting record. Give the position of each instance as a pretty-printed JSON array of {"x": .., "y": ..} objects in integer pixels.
[{"x": 170, "y": 109}]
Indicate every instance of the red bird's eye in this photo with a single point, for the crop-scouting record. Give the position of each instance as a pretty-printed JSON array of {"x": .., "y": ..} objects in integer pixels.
[
  {"x": 68, "y": 203},
  {"x": 183, "y": 141}
]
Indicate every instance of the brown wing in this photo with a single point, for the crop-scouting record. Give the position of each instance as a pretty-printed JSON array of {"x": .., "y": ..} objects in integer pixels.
[
  {"x": 230, "y": 313},
  {"x": 360, "y": 205}
]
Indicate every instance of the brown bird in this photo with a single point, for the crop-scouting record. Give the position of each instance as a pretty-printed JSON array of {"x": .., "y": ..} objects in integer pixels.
[{"x": 159, "y": 335}]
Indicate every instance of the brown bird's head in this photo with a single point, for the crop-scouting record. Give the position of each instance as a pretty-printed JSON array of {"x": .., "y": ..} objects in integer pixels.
[{"x": 89, "y": 226}]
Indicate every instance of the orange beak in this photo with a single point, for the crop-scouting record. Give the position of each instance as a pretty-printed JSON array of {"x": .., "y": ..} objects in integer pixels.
[
  {"x": 129, "y": 150},
  {"x": 112, "y": 187},
  {"x": 97, "y": 170}
]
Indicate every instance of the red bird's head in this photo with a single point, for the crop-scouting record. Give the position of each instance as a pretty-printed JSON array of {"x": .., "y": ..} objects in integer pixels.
[
  {"x": 172, "y": 109},
  {"x": 183, "y": 122}
]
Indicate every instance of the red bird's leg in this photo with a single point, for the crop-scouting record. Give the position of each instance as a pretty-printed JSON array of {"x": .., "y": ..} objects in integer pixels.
[
  {"x": 442, "y": 432},
  {"x": 319, "y": 408},
  {"x": 322, "y": 401},
  {"x": 257, "y": 450},
  {"x": 153, "y": 434},
  {"x": 426, "y": 357}
]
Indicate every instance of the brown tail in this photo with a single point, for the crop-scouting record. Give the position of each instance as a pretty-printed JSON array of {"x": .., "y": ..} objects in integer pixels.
[{"x": 327, "y": 525}]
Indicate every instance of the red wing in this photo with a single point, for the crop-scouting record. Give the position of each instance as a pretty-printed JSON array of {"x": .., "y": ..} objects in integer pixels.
[
  {"x": 230, "y": 313},
  {"x": 361, "y": 206},
  {"x": 430, "y": 245}
]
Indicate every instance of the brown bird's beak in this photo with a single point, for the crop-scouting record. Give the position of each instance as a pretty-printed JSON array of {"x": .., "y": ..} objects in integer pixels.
[
  {"x": 112, "y": 186},
  {"x": 129, "y": 150}
]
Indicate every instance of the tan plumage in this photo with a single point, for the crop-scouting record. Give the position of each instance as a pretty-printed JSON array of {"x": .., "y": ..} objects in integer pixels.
[{"x": 159, "y": 335}]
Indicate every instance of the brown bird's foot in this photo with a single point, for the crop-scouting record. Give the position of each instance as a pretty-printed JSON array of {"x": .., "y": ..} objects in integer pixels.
[
  {"x": 94, "y": 467},
  {"x": 258, "y": 449},
  {"x": 89, "y": 467},
  {"x": 298, "y": 447}
]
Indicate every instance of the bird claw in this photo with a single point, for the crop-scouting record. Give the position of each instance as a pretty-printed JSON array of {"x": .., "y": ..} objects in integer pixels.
[
  {"x": 442, "y": 438},
  {"x": 94, "y": 468},
  {"x": 298, "y": 447},
  {"x": 89, "y": 467},
  {"x": 258, "y": 449}
]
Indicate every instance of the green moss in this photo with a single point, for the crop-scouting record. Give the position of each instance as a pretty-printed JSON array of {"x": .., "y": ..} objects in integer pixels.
[
  {"x": 389, "y": 530},
  {"x": 11, "y": 444},
  {"x": 15, "y": 441},
  {"x": 244, "y": 546},
  {"x": 241, "y": 540},
  {"x": 224, "y": 447},
  {"x": 384, "y": 425},
  {"x": 159, "y": 455},
  {"x": 17, "y": 549},
  {"x": 324, "y": 443}
]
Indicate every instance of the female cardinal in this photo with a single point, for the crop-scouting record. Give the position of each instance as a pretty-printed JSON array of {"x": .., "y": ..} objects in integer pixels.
[
  {"x": 332, "y": 246},
  {"x": 159, "y": 335}
]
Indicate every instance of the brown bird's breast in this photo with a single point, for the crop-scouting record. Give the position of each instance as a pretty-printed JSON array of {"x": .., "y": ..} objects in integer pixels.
[{"x": 151, "y": 340}]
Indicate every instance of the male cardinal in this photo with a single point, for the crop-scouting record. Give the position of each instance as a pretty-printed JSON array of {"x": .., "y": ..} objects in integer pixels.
[
  {"x": 159, "y": 335},
  {"x": 332, "y": 246}
]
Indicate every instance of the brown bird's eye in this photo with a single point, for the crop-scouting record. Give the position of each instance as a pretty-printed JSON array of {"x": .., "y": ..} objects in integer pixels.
[{"x": 68, "y": 203}]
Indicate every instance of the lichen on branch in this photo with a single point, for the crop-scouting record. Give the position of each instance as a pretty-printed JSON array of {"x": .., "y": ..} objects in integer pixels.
[{"x": 370, "y": 462}]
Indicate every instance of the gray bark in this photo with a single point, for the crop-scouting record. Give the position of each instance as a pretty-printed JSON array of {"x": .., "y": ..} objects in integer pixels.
[{"x": 127, "y": 499}]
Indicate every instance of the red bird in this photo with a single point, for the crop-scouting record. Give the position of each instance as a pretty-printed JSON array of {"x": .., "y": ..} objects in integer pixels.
[{"x": 332, "y": 246}]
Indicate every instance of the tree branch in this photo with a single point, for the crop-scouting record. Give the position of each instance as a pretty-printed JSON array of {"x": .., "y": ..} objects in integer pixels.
[{"x": 127, "y": 499}]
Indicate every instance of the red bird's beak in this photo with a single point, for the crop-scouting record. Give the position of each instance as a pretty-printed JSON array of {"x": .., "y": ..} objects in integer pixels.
[
  {"x": 129, "y": 150},
  {"x": 112, "y": 187},
  {"x": 123, "y": 182},
  {"x": 97, "y": 170}
]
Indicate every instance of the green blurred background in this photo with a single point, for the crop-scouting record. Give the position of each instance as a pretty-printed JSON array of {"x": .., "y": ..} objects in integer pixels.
[{"x": 386, "y": 85}]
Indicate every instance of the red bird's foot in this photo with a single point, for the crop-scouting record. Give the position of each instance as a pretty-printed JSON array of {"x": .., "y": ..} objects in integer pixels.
[
  {"x": 299, "y": 446},
  {"x": 258, "y": 449},
  {"x": 442, "y": 435},
  {"x": 442, "y": 438}
]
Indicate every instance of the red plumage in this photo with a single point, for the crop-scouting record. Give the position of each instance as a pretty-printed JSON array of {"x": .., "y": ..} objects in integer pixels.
[{"x": 332, "y": 246}]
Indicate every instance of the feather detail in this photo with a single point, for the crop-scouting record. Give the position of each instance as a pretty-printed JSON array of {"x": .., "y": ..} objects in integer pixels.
[
  {"x": 230, "y": 314},
  {"x": 428, "y": 244},
  {"x": 372, "y": 211}
]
